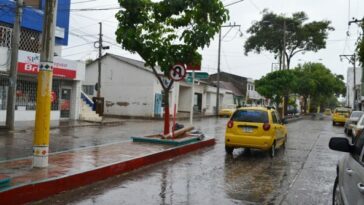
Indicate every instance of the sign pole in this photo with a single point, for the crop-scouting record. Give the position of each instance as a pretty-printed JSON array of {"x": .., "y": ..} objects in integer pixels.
[
  {"x": 44, "y": 87},
  {"x": 192, "y": 96}
]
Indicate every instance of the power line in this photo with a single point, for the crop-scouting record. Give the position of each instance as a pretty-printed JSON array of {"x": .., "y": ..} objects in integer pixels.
[
  {"x": 81, "y": 2},
  {"x": 230, "y": 4},
  {"x": 75, "y": 46}
]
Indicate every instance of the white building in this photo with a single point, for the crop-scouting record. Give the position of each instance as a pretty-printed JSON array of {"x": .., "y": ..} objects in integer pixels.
[
  {"x": 350, "y": 86},
  {"x": 131, "y": 89},
  {"x": 252, "y": 96},
  {"x": 66, "y": 86}
]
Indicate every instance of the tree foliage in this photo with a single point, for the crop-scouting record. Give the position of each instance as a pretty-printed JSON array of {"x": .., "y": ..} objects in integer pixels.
[
  {"x": 276, "y": 84},
  {"x": 312, "y": 80},
  {"x": 360, "y": 45},
  {"x": 268, "y": 35},
  {"x": 167, "y": 32}
]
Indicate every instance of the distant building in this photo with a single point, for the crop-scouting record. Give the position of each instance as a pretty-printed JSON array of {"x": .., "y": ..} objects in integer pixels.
[
  {"x": 350, "y": 88},
  {"x": 252, "y": 96},
  {"x": 237, "y": 84}
]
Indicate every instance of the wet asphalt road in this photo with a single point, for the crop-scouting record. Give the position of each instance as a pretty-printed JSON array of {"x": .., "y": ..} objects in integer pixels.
[{"x": 302, "y": 173}]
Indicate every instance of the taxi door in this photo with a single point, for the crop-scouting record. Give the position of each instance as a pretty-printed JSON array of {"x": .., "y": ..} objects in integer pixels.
[{"x": 278, "y": 128}]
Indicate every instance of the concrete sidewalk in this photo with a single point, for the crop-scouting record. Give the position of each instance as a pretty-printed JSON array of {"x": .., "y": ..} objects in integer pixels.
[
  {"x": 56, "y": 124},
  {"x": 75, "y": 168}
]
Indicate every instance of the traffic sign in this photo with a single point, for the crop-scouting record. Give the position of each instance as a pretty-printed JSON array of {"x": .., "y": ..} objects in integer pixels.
[
  {"x": 177, "y": 72},
  {"x": 198, "y": 75},
  {"x": 193, "y": 67}
]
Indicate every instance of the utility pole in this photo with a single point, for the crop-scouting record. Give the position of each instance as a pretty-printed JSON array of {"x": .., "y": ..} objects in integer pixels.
[
  {"x": 218, "y": 68},
  {"x": 15, "y": 39},
  {"x": 352, "y": 59},
  {"x": 98, "y": 100},
  {"x": 44, "y": 88},
  {"x": 284, "y": 45},
  {"x": 99, "y": 63},
  {"x": 218, "y": 77},
  {"x": 192, "y": 96}
]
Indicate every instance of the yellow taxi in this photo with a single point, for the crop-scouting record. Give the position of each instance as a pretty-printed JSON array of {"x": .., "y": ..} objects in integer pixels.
[
  {"x": 227, "y": 112},
  {"x": 327, "y": 111},
  {"x": 256, "y": 128},
  {"x": 340, "y": 115}
]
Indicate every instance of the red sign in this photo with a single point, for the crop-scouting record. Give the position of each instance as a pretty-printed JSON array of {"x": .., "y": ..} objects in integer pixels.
[
  {"x": 57, "y": 72},
  {"x": 193, "y": 67}
]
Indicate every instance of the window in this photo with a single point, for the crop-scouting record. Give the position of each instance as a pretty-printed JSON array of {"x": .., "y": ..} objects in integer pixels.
[
  {"x": 32, "y": 3},
  {"x": 358, "y": 146},
  {"x": 88, "y": 89},
  {"x": 26, "y": 91},
  {"x": 274, "y": 118},
  {"x": 251, "y": 116},
  {"x": 277, "y": 116}
]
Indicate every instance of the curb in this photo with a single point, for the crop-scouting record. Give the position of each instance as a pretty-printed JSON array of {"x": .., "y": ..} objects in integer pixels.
[
  {"x": 91, "y": 124},
  {"x": 39, "y": 190}
]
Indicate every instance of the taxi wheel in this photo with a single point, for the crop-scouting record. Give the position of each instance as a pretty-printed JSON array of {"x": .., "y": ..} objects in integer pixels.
[
  {"x": 284, "y": 142},
  {"x": 229, "y": 150},
  {"x": 333, "y": 123},
  {"x": 272, "y": 151}
]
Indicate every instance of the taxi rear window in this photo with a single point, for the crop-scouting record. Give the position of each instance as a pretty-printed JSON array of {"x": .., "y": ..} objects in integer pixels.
[
  {"x": 250, "y": 116},
  {"x": 342, "y": 111}
]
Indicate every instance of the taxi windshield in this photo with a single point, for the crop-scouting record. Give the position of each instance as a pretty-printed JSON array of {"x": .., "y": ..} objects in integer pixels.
[{"x": 251, "y": 116}]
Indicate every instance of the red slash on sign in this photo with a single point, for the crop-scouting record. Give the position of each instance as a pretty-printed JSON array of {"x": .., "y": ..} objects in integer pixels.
[{"x": 177, "y": 72}]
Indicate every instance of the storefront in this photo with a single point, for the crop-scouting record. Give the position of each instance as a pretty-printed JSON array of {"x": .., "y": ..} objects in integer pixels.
[{"x": 66, "y": 87}]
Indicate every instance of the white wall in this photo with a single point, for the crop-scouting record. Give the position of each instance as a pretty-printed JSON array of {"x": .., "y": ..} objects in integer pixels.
[
  {"x": 185, "y": 100},
  {"x": 127, "y": 90},
  {"x": 75, "y": 100},
  {"x": 27, "y": 115},
  {"x": 228, "y": 101}
]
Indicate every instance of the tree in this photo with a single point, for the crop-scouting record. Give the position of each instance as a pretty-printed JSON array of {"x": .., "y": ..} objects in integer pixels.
[
  {"x": 360, "y": 45},
  {"x": 288, "y": 35},
  {"x": 276, "y": 84},
  {"x": 316, "y": 81},
  {"x": 167, "y": 32}
]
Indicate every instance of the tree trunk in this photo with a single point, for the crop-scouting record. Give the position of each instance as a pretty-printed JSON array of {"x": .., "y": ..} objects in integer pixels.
[
  {"x": 305, "y": 104},
  {"x": 285, "y": 105},
  {"x": 166, "y": 111}
]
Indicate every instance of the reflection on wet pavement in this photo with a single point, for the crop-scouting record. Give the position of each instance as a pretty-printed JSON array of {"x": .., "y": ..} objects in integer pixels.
[{"x": 302, "y": 173}]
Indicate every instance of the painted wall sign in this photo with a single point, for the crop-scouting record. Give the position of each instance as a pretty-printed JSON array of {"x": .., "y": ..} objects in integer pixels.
[{"x": 29, "y": 63}]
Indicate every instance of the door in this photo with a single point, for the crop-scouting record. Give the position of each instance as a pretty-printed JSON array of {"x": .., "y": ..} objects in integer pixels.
[
  {"x": 197, "y": 102},
  {"x": 65, "y": 102},
  {"x": 353, "y": 175},
  {"x": 158, "y": 105},
  {"x": 278, "y": 128}
]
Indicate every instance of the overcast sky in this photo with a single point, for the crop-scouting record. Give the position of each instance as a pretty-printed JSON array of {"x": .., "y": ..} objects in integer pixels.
[{"x": 84, "y": 31}]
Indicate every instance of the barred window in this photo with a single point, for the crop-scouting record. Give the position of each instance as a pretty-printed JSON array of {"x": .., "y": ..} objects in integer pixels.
[
  {"x": 88, "y": 89},
  {"x": 26, "y": 92},
  {"x": 29, "y": 39}
]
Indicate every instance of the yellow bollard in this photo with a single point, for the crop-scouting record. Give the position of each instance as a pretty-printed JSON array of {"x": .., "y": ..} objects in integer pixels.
[{"x": 42, "y": 117}]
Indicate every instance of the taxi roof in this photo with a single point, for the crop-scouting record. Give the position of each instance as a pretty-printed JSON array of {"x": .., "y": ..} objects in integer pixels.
[
  {"x": 256, "y": 108},
  {"x": 342, "y": 109}
]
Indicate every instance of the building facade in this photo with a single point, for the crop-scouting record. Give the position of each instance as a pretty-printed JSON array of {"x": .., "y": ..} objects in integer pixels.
[
  {"x": 131, "y": 89},
  {"x": 350, "y": 94},
  {"x": 67, "y": 74},
  {"x": 253, "y": 98}
]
